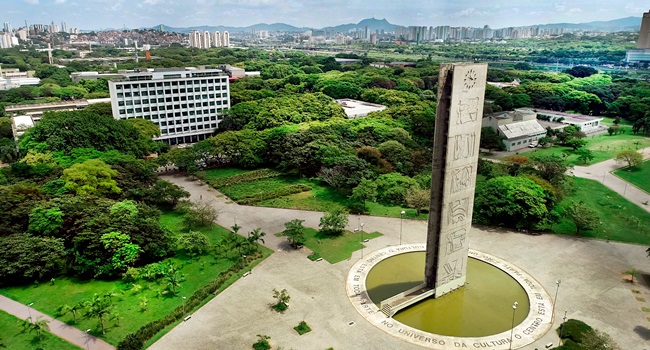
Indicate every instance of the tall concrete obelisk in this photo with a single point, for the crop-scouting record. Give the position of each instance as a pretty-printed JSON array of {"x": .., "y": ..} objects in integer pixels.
[{"x": 461, "y": 90}]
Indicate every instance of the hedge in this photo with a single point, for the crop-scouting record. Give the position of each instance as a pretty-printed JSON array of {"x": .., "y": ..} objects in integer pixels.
[
  {"x": 271, "y": 194},
  {"x": 245, "y": 177},
  {"x": 137, "y": 339}
]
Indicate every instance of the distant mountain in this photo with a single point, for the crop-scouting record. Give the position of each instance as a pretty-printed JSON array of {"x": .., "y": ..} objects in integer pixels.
[
  {"x": 373, "y": 24},
  {"x": 627, "y": 23}
]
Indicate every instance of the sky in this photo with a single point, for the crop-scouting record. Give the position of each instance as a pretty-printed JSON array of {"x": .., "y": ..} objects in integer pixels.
[{"x": 102, "y": 14}]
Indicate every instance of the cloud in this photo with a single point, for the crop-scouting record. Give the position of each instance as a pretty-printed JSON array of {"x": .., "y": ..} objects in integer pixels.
[
  {"x": 469, "y": 12},
  {"x": 60, "y": 1},
  {"x": 152, "y": 2},
  {"x": 560, "y": 6},
  {"x": 574, "y": 10},
  {"x": 32, "y": 2}
]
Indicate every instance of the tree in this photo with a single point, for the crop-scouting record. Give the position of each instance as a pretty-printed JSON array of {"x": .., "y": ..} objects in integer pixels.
[
  {"x": 123, "y": 253},
  {"x": 25, "y": 258},
  {"x": 165, "y": 194},
  {"x": 100, "y": 307},
  {"x": 418, "y": 198},
  {"x": 104, "y": 109},
  {"x": 195, "y": 243},
  {"x": 491, "y": 140},
  {"x": 282, "y": 298},
  {"x": 585, "y": 155},
  {"x": 174, "y": 278},
  {"x": 46, "y": 222},
  {"x": 550, "y": 168},
  {"x": 199, "y": 214},
  {"x": 581, "y": 71},
  {"x": 74, "y": 309},
  {"x": 146, "y": 128},
  {"x": 256, "y": 236},
  {"x": 40, "y": 326},
  {"x": 295, "y": 232},
  {"x": 597, "y": 340},
  {"x": 92, "y": 177},
  {"x": 575, "y": 143},
  {"x": 5, "y": 128},
  {"x": 509, "y": 201},
  {"x": 333, "y": 222},
  {"x": 632, "y": 158},
  {"x": 583, "y": 217},
  {"x": 262, "y": 342}
]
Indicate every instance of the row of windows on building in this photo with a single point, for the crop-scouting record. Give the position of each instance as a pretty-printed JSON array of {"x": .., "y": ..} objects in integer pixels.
[
  {"x": 169, "y": 83},
  {"x": 123, "y": 112},
  {"x": 173, "y": 140},
  {"x": 163, "y": 102},
  {"x": 170, "y": 91},
  {"x": 164, "y": 131}
]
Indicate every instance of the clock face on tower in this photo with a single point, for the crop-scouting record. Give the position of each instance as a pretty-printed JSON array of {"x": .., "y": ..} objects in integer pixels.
[{"x": 470, "y": 79}]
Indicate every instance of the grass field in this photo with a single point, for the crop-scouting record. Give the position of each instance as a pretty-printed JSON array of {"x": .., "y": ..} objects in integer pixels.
[
  {"x": 621, "y": 220},
  {"x": 13, "y": 336},
  {"x": 217, "y": 173},
  {"x": 337, "y": 248},
  {"x": 198, "y": 272},
  {"x": 638, "y": 176},
  {"x": 603, "y": 146}
]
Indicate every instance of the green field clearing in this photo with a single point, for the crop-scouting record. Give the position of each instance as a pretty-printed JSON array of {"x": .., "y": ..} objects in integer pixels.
[
  {"x": 336, "y": 248},
  {"x": 13, "y": 336},
  {"x": 622, "y": 221},
  {"x": 217, "y": 173},
  {"x": 198, "y": 272},
  {"x": 638, "y": 176},
  {"x": 603, "y": 146}
]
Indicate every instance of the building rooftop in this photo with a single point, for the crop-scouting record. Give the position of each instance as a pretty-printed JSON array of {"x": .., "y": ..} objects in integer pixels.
[
  {"x": 566, "y": 116},
  {"x": 355, "y": 108},
  {"x": 523, "y": 128}
]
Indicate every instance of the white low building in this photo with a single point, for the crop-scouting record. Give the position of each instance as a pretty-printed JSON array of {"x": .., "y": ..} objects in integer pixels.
[
  {"x": 587, "y": 124},
  {"x": 520, "y": 128},
  {"x": 20, "y": 124},
  {"x": 357, "y": 109}
]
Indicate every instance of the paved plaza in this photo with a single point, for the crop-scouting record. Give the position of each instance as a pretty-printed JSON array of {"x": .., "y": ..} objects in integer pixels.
[{"x": 592, "y": 286}]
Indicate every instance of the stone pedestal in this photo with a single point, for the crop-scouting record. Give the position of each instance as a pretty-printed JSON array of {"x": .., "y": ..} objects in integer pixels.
[{"x": 461, "y": 90}]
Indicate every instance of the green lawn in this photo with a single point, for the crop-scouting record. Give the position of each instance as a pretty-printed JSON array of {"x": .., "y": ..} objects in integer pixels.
[
  {"x": 335, "y": 249},
  {"x": 622, "y": 221},
  {"x": 13, "y": 336},
  {"x": 638, "y": 176},
  {"x": 198, "y": 272},
  {"x": 217, "y": 173},
  {"x": 603, "y": 146}
]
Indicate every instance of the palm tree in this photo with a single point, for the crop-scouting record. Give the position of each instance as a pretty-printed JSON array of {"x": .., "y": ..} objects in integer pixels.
[
  {"x": 256, "y": 236},
  {"x": 67, "y": 309},
  {"x": 99, "y": 307},
  {"x": 174, "y": 279},
  {"x": 40, "y": 327}
]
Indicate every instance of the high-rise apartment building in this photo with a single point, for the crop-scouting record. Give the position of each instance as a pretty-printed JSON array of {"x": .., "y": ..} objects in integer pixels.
[
  {"x": 195, "y": 39},
  {"x": 187, "y": 104},
  {"x": 64, "y": 27},
  {"x": 206, "y": 40},
  {"x": 644, "y": 32},
  {"x": 216, "y": 39},
  {"x": 225, "y": 39},
  {"x": 7, "y": 27}
]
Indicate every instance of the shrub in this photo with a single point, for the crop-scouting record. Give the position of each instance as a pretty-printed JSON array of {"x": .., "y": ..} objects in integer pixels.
[
  {"x": 271, "y": 194},
  {"x": 302, "y": 328},
  {"x": 574, "y": 330},
  {"x": 245, "y": 177},
  {"x": 262, "y": 342},
  {"x": 313, "y": 256}
]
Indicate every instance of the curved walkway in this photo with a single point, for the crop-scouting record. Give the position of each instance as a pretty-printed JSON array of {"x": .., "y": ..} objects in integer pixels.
[
  {"x": 58, "y": 328},
  {"x": 602, "y": 172}
]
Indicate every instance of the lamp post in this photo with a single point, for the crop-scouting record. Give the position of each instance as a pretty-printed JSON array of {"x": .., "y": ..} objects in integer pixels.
[
  {"x": 562, "y": 326},
  {"x": 87, "y": 338},
  {"x": 29, "y": 311},
  {"x": 512, "y": 328},
  {"x": 361, "y": 233},
  {"x": 401, "y": 219},
  {"x": 557, "y": 288},
  {"x": 183, "y": 305}
]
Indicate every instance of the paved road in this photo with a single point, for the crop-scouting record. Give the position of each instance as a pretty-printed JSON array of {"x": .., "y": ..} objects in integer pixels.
[
  {"x": 591, "y": 272},
  {"x": 58, "y": 328},
  {"x": 602, "y": 172}
]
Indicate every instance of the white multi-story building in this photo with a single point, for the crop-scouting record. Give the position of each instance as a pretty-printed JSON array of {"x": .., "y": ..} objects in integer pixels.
[
  {"x": 186, "y": 103},
  {"x": 225, "y": 39},
  {"x": 195, "y": 39},
  {"x": 206, "y": 40},
  {"x": 216, "y": 39}
]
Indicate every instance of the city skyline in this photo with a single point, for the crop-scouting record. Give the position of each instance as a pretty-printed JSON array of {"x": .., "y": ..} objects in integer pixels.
[{"x": 102, "y": 14}]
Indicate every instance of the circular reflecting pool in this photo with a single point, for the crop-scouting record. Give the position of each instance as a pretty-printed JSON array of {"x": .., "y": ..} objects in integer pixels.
[{"x": 480, "y": 308}]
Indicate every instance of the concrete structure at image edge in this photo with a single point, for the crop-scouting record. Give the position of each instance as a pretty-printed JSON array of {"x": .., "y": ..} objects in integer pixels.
[
  {"x": 641, "y": 54},
  {"x": 455, "y": 156},
  {"x": 187, "y": 104}
]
